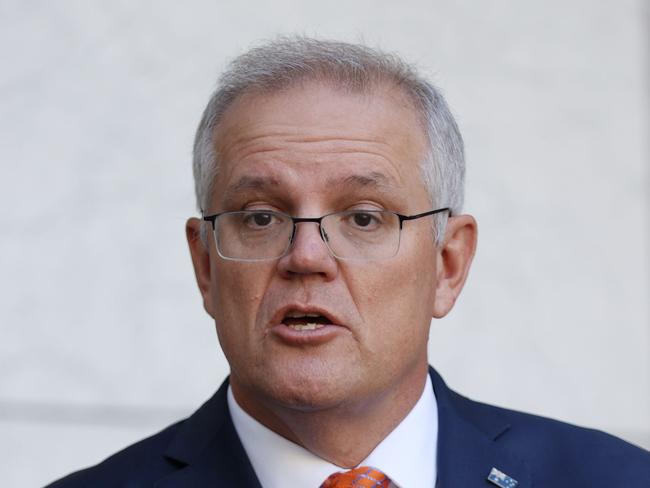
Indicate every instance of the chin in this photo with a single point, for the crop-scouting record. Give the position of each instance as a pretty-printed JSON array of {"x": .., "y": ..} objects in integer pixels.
[{"x": 310, "y": 389}]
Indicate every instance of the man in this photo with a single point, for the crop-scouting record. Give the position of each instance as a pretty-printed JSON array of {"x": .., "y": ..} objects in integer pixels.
[{"x": 330, "y": 179}]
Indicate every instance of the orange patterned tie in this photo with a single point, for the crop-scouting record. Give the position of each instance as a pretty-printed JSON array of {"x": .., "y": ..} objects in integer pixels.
[{"x": 361, "y": 477}]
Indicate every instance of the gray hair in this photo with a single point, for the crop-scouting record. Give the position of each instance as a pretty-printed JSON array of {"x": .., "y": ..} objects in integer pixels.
[{"x": 282, "y": 63}]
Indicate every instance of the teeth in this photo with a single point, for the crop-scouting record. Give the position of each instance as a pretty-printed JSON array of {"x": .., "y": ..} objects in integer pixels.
[{"x": 308, "y": 326}]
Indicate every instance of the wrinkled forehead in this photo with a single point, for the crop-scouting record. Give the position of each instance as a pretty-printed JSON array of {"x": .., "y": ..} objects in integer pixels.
[{"x": 370, "y": 139}]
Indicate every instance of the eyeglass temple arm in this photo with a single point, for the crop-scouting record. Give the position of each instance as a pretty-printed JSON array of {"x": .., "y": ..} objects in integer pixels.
[
  {"x": 211, "y": 218},
  {"x": 402, "y": 218}
]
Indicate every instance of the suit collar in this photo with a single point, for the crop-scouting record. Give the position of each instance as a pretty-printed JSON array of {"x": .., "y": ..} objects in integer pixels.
[{"x": 470, "y": 441}]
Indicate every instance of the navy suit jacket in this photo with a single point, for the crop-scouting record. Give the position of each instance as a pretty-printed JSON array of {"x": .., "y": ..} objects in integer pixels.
[{"x": 473, "y": 438}]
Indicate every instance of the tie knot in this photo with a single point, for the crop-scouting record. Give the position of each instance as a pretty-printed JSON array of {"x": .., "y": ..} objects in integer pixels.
[{"x": 361, "y": 477}]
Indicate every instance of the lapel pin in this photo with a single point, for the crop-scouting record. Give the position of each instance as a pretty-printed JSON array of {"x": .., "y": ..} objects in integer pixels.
[{"x": 501, "y": 479}]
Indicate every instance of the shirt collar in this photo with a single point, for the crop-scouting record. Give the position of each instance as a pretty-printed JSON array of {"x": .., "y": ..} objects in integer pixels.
[{"x": 407, "y": 455}]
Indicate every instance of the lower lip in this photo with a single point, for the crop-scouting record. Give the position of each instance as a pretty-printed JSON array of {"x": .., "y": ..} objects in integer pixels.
[{"x": 307, "y": 337}]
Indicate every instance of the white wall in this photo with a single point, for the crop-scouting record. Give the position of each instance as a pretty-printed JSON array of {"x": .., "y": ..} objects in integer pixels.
[{"x": 103, "y": 336}]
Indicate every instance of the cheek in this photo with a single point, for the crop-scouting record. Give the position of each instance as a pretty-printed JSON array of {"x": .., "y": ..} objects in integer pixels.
[
  {"x": 393, "y": 298},
  {"x": 237, "y": 290}
]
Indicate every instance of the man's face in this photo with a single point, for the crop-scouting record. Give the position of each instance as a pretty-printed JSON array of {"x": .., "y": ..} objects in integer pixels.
[{"x": 309, "y": 151}]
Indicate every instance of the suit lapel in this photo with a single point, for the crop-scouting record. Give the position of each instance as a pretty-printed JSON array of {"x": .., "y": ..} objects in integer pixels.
[
  {"x": 208, "y": 450},
  {"x": 470, "y": 442}
]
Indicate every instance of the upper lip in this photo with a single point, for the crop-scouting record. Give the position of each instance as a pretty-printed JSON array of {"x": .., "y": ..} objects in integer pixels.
[{"x": 305, "y": 309}]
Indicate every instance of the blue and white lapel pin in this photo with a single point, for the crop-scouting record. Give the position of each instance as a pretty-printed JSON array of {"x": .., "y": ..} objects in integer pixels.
[{"x": 501, "y": 479}]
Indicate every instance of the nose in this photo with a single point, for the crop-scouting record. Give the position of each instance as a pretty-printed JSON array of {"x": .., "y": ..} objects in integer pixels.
[{"x": 308, "y": 254}]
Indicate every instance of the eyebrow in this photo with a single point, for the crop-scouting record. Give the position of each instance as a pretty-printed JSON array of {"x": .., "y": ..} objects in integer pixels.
[
  {"x": 373, "y": 179},
  {"x": 250, "y": 183}
]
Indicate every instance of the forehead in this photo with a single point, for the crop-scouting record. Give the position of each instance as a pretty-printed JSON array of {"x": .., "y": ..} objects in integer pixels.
[{"x": 314, "y": 132}]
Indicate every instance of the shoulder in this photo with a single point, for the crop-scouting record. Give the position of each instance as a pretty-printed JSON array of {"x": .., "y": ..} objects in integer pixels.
[
  {"x": 536, "y": 450},
  {"x": 202, "y": 450},
  {"x": 137, "y": 465},
  {"x": 560, "y": 453}
]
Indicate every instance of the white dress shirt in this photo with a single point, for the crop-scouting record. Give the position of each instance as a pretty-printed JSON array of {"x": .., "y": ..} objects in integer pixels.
[{"x": 407, "y": 455}]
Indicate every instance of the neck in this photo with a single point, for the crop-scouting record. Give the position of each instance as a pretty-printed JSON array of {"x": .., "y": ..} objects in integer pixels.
[{"x": 344, "y": 434}]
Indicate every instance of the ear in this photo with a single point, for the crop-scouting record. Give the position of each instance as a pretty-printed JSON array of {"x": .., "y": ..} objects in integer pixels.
[
  {"x": 454, "y": 258},
  {"x": 201, "y": 261}
]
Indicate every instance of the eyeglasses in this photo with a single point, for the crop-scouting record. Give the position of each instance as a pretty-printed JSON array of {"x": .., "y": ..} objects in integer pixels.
[{"x": 263, "y": 235}]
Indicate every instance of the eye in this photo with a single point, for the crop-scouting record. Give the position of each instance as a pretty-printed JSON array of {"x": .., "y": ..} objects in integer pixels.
[
  {"x": 259, "y": 219},
  {"x": 365, "y": 220},
  {"x": 262, "y": 219},
  {"x": 362, "y": 219}
]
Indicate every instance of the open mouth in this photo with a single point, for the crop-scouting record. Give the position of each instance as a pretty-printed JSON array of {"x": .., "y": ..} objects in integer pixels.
[
  {"x": 302, "y": 321},
  {"x": 306, "y": 325}
]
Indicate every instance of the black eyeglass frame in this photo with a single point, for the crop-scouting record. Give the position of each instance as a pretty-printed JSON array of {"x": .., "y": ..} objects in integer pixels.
[{"x": 317, "y": 220}]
